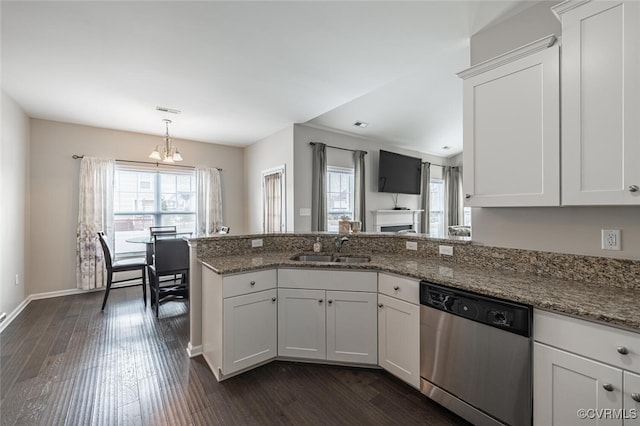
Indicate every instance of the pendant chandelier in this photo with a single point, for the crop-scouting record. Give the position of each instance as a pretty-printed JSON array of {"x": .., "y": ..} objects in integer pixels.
[{"x": 170, "y": 153}]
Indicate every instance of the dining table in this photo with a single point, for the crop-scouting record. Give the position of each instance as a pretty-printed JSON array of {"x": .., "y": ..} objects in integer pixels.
[{"x": 148, "y": 240}]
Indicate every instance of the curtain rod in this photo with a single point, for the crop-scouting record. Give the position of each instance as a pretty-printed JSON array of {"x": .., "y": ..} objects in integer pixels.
[
  {"x": 434, "y": 164},
  {"x": 337, "y": 147},
  {"x": 77, "y": 157}
]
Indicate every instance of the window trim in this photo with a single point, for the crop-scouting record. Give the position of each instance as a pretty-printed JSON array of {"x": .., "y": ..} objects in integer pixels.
[{"x": 157, "y": 213}]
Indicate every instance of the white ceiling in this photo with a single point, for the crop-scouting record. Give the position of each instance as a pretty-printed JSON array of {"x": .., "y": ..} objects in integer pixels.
[{"x": 241, "y": 71}]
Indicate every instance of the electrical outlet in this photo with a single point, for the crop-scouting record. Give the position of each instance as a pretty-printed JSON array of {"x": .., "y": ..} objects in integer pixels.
[
  {"x": 256, "y": 243},
  {"x": 446, "y": 250},
  {"x": 17, "y": 279},
  {"x": 611, "y": 239},
  {"x": 304, "y": 211},
  {"x": 412, "y": 245}
]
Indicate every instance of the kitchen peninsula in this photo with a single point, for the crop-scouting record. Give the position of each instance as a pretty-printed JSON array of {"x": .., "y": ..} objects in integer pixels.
[{"x": 261, "y": 303}]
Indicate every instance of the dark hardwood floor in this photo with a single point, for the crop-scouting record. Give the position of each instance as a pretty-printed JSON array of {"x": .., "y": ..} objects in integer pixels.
[{"x": 63, "y": 361}]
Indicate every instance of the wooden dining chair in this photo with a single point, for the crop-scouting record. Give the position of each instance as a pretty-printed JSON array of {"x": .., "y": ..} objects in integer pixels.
[
  {"x": 171, "y": 258},
  {"x": 133, "y": 264}
]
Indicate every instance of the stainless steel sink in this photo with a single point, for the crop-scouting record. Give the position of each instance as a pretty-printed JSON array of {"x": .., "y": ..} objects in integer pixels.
[
  {"x": 313, "y": 258},
  {"x": 352, "y": 259},
  {"x": 330, "y": 258}
]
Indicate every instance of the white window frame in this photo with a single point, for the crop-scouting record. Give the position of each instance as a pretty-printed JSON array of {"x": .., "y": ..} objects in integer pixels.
[
  {"x": 157, "y": 214},
  {"x": 283, "y": 190},
  {"x": 343, "y": 170}
]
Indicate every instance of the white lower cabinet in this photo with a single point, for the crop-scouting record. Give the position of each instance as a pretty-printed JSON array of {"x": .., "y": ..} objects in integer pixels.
[
  {"x": 328, "y": 315},
  {"x": 565, "y": 384},
  {"x": 631, "y": 399},
  {"x": 239, "y": 314},
  {"x": 327, "y": 325},
  {"x": 352, "y": 334},
  {"x": 584, "y": 373},
  {"x": 399, "y": 338},
  {"x": 301, "y": 323},
  {"x": 250, "y": 332}
]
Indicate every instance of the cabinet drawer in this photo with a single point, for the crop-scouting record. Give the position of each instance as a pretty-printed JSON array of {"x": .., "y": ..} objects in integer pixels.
[
  {"x": 399, "y": 287},
  {"x": 250, "y": 282},
  {"x": 589, "y": 339},
  {"x": 328, "y": 280}
]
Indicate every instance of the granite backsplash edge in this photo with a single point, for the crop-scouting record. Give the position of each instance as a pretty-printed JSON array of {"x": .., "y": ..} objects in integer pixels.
[{"x": 622, "y": 273}]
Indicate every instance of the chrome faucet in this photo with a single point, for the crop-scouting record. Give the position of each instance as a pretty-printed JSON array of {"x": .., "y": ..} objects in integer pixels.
[{"x": 339, "y": 242}]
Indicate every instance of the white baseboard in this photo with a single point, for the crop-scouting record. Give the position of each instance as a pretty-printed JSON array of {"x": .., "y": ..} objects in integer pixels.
[
  {"x": 37, "y": 296},
  {"x": 194, "y": 351}
]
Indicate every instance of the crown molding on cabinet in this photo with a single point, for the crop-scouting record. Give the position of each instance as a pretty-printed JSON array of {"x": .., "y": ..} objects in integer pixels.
[
  {"x": 510, "y": 56},
  {"x": 566, "y": 6}
]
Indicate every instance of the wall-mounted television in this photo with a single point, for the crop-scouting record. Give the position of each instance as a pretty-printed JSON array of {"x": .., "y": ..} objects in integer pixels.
[{"x": 399, "y": 174}]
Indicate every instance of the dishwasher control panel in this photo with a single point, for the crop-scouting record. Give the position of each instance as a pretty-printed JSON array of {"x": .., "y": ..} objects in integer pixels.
[{"x": 495, "y": 312}]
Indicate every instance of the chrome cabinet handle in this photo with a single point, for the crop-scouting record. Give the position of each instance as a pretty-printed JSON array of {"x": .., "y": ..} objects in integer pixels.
[
  {"x": 635, "y": 397},
  {"x": 329, "y": 301},
  {"x": 622, "y": 350},
  {"x": 608, "y": 387},
  {"x": 273, "y": 299},
  {"x": 633, "y": 188},
  {"x": 252, "y": 283},
  {"x": 380, "y": 305},
  {"x": 467, "y": 196},
  {"x": 396, "y": 288}
]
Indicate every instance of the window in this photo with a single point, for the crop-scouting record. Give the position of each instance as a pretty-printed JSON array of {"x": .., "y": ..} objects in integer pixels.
[
  {"x": 339, "y": 196},
  {"x": 143, "y": 198},
  {"x": 467, "y": 216},
  {"x": 436, "y": 208}
]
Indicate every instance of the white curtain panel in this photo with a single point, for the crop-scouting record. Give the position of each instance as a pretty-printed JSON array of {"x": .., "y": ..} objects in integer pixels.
[
  {"x": 95, "y": 214},
  {"x": 273, "y": 202},
  {"x": 425, "y": 200},
  {"x": 209, "y": 192}
]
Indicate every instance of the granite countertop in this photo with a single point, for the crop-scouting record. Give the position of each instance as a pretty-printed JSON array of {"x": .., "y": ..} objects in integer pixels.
[{"x": 608, "y": 304}]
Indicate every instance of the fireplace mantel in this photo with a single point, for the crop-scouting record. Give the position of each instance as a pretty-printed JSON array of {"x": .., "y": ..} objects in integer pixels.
[{"x": 392, "y": 218}]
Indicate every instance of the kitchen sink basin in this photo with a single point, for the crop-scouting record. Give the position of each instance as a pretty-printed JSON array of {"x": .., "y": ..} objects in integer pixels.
[
  {"x": 330, "y": 258},
  {"x": 313, "y": 258},
  {"x": 352, "y": 259}
]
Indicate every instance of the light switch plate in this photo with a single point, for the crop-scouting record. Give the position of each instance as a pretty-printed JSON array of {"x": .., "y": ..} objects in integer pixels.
[
  {"x": 412, "y": 245},
  {"x": 304, "y": 211},
  {"x": 256, "y": 243}
]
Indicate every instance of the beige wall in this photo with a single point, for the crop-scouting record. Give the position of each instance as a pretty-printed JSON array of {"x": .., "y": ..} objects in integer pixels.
[
  {"x": 273, "y": 151},
  {"x": 54, "y": 188},
  {"x": 14, "y": 213}
]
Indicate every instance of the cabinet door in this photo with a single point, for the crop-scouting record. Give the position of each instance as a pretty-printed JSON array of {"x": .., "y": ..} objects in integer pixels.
[
  {"x": 250, "y": 331},
  {"x": 601, "y": 103},
  {"x": 399, "y": 339},
  {"x": 512, "y": 133},
  {"x": 352, "y": 332},
  {"x": 631, "y": 399},
  {"x": 565, "y": 383},
  {"x": 301, "y": 323}
]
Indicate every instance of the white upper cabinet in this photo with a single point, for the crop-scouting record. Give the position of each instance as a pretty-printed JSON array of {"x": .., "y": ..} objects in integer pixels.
[
  {"x": 511, "y": 110},
  {"x": 600, "y": 102}
]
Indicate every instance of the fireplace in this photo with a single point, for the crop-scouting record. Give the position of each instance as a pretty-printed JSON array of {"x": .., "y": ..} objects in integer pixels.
[
  {"x": 396, "y": 228},
  {"x": 396, "y": 220}
]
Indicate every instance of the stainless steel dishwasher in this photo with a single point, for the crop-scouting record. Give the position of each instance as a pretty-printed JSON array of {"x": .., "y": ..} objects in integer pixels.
[{"x": 475, "y": 355}]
